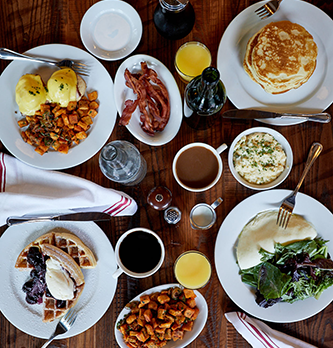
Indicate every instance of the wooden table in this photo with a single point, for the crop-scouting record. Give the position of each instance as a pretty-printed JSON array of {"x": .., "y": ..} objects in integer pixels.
[{"x": 26, "y": 24}]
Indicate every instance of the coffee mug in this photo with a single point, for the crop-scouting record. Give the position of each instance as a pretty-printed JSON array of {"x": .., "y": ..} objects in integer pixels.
[
  {"x": 139, "y": 253},
  {"x": 203, "y": 215},
  {"x": 197, "y": 167}
]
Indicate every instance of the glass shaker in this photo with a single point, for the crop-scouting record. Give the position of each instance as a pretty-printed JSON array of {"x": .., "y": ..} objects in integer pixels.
[
  {"x": 205, "y": 96},
  {"x": 174, "y": 19},
  {"x": 121, "y": 161}
]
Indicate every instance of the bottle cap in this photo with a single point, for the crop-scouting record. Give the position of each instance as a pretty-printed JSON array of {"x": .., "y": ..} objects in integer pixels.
[
  {"x": 172, "y": 215},
  {"x": 159, "y": 197}
]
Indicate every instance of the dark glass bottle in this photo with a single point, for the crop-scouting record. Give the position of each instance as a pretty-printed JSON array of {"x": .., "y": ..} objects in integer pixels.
[
  {"x": 205, "y": 96},
  {"x": 174, "y": 19}
]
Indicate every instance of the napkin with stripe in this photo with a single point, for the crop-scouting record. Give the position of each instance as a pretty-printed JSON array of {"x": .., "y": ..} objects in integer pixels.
[
  {"x": 260, "y": 335},
  {"x": 27, "y": 190}
]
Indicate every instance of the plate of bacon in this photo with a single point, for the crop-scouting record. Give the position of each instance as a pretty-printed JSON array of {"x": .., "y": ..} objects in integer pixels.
[{"x": 148, "y": 100}]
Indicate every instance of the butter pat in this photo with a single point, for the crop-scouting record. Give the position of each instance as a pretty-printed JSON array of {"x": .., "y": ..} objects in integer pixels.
[
  {"x": 58, "y": 281},
  {"x": 263, "y": 232}
]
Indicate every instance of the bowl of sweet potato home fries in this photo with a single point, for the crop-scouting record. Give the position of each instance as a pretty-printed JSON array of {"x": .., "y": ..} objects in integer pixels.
[{"x": 167, "y": 315}]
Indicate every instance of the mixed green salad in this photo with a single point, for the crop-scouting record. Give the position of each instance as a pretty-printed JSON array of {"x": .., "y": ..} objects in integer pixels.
[{"x": 293, "y": 272}]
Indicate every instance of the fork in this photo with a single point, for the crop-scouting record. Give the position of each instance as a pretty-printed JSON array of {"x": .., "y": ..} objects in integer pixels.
[
  {"x": 65, "y": 323},
  {"x": 268, "y": 9},
  {"x": 288, "y": 204},
  {"x": 78, "y": 67}
]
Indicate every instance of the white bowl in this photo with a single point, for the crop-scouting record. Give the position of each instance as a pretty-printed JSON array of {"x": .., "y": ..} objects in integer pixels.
[
  {"x": 286, "y": 146},
  {"x": 111, "y": 30}
]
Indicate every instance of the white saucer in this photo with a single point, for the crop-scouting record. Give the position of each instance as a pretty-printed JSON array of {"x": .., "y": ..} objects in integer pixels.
[{"x": 111, "y": 30}]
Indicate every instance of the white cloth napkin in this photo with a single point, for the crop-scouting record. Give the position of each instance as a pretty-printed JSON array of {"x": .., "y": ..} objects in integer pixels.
[
  {"x": 27, "y": 190},
  {"x": 260, "y": 335}
]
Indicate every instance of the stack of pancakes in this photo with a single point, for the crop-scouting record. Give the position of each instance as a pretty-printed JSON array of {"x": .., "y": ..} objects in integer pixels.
[{"x": 280, "y": 57}]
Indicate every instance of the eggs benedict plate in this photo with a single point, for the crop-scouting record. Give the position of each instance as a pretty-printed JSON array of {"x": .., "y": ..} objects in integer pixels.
[
  {"x": 317, "y": 219},
  {"x": 99, "y": 80}
]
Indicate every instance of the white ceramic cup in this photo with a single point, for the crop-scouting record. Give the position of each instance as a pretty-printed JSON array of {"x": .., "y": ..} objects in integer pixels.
[
  {"x": 216, "y": 152},
  {"x": 122, "y": 269}
]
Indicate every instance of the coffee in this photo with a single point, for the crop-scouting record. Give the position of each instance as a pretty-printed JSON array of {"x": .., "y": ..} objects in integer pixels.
[
  {"x": 197, "y": 167},
  {"x": 140, "y": 252}
]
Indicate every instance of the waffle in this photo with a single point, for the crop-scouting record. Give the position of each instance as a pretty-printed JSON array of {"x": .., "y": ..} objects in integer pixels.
[
  {"x": 66, "y": 241},
  {"x": 53, "y": 308}
]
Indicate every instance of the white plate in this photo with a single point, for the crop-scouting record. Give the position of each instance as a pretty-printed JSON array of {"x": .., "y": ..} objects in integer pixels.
[
  {"x": 122, "y": 93},
  {"x": 98, "y": 79},
  {"x": 286, "y": 147},
  {"x": 314, "y": 96},
  {"x": 228, "y": 270},
  {"x": 189, "y": 336},
  {"x": 111, "y": 30},
  {"x": 97, "y": 294}
]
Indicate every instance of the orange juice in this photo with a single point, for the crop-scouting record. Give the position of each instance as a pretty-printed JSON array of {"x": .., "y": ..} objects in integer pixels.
[
  {"x": 191, "y": 59},
  {"x": 192, "y": 269}
]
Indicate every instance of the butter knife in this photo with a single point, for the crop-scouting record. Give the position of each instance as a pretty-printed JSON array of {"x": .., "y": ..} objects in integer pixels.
[
  {"x": 251, "y": 114},
  {"x": 86, "y": 216}
]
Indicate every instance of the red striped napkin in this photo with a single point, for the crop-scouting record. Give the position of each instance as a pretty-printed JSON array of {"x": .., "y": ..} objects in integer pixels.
[
  {"x": 27, "y": 190},
  {"x": 260, "y": 335}
]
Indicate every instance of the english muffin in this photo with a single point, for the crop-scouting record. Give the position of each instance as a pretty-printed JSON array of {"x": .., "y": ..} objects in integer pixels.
[{"x": 281, "y": 56}]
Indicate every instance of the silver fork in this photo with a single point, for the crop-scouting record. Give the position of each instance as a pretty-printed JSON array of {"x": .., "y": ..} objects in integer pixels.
[
  {"x": 268, "y": 9},
  {"x": 65, "y": 323},
  {"x": 78, "y": 67},
  {"x": 288, "y": 204}
]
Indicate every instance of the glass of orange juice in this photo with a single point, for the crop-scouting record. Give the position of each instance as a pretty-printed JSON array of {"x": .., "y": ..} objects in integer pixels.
[
  {"x": 191, "y": 60},
  {"x": 192, "y": 269}
]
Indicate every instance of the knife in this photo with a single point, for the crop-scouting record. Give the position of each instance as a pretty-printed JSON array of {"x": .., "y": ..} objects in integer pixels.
[
  {"x": 86, "y": 216},
  {"x": 259, "y": 114}
]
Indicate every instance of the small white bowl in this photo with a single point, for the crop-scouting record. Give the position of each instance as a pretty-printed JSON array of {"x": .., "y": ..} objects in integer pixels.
[
  {"x": 286, "y": 146},
  {"x": 111, "y": 30}
]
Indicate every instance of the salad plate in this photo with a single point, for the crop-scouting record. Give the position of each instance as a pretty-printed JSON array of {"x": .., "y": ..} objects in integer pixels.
[
  {"x": 98, "y": 291},
  {"x": 312, "y": 97},
  {"x": 98, "y": 80},
  {"x": 111, "y": 30},
  {"x": 123, "y": 93},
  {"x": 189, "y": 336},
  {"x": 225, "y": 255}
]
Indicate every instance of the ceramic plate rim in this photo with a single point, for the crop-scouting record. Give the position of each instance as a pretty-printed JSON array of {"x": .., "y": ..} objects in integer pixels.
[
  {"x": 170, "y": 344},
  {"x": 229, "y": 278},
  {"x": 98, "y": 79},
  {"x": 317, "y": 89},
  {"x": 286, "y": 146},
  {"x": 92, "y": 304},
  {"x": 132, "y": 17},
  {"x": 123, "y": 93}
]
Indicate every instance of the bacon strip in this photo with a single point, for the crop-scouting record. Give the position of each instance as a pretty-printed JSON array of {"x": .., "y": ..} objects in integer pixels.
[{"x": 152, "y": 100}]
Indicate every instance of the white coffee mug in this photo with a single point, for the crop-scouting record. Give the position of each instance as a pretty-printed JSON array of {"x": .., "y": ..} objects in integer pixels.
[
  {"x": 215, "y": 152},
  {"x": 123, "y": 269}
]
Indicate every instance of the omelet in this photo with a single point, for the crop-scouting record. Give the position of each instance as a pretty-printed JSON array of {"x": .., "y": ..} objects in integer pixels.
[
  {"x": 263, "y": 232},
  {"x": 30, "y": 93},
  {"x": 281, "y": 56},
  {"x": 65, "y": 86}
]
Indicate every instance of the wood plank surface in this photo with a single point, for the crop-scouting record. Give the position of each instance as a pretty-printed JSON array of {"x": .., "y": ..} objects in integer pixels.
[{"x": 29, "y": 23}]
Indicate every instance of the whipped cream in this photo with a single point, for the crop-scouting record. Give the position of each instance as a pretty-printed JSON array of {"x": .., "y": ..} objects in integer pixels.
[{"x": 58, "y": 281}]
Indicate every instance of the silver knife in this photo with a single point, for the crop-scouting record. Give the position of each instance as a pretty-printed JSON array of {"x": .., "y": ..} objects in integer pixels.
[
  {"x": 86, "y": 216},
  {"x": 322, "y": 117}
]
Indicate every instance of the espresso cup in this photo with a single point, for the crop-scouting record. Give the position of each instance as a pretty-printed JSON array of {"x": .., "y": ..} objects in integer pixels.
[
  {"x": 139, "y": 253},
  {"x": 197, "y": 167}
]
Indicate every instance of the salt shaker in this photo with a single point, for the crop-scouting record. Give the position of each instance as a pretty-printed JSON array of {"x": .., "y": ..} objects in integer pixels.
[{"x": 121, "y": 161}]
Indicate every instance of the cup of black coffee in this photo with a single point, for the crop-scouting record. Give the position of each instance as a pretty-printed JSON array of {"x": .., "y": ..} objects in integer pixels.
[
  {"x": 139, "y": 253},
  {"x": 197, "y": 167}
]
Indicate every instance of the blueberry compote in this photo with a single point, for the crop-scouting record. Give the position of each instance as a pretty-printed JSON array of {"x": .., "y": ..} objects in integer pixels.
[{"x": 36, "y": 286}]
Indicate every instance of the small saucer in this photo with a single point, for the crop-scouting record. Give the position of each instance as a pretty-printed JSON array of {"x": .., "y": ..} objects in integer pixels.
[{"x": 111, "y": 30}]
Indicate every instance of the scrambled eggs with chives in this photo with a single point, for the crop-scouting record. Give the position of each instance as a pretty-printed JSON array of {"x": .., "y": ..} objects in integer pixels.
[{"x": 259, "y": 158}]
